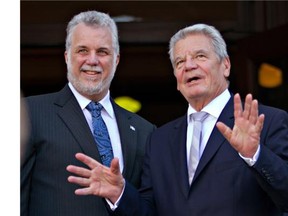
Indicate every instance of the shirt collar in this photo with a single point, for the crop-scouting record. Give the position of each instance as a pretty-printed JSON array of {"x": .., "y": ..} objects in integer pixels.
[
  {"x": 215, "y": 107},
  {"x": 106, "y": 103},
  {"x": 83, "y": 101}
]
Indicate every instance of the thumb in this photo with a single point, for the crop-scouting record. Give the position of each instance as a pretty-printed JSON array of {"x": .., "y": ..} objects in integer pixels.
[
  {"x": 224, "y": 130},
  {"x": 115, "y": 167}
]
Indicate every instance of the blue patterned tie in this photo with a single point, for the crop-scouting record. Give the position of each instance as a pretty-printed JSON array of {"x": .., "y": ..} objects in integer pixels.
[{"x": 100, "y": 133}]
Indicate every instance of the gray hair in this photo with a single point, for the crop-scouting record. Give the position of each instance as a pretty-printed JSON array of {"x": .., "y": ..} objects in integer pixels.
[
  {"x": 217, "y": 40},
  {"x": 93, "y": 18}
]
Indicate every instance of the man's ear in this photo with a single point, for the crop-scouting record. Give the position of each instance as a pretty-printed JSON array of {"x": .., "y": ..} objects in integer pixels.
[
  {"x": 117, "y": 59},
  {"x": 66, "y": 57},
  {"x": 227, "y": 66}
]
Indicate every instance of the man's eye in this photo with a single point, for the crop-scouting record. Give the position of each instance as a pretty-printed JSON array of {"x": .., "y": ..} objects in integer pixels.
[
  {"x": 179, "y": 62},
  {"x": 82, "y": 51},
  {"x": 200, "y": 56},
  {"x": 102, "y": 52}
]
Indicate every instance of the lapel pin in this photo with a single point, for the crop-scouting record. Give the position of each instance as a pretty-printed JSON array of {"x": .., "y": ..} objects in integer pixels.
[{"x": 132, "y": 128}]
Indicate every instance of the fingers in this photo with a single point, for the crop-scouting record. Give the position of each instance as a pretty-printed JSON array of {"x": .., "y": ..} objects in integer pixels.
[
  {"x": 260, "y": 123},
  {"x": 90, "y": 162},
  {"x": 237, "y": 106},
  {"x": 84, "y": 175},
  {"x": 254, "y": 112},
  {"x": 84, "y": 182},
  {"x": 83, "y": 191},
  {"x": 80, "y": 171},
  {"x": 247, "y": 106},
  {"x": 250, "y": 111}
]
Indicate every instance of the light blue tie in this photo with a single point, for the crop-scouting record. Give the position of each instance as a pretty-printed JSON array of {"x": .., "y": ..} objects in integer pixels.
[
  {"x": 194, "y": 158},
  {"x": 100, "y": 133}
]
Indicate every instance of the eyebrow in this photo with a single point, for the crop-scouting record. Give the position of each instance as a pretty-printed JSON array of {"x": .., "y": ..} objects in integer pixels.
[
  {"x": 178, "y": 58},
  {"x": 202, "y": 51},
  {"x": 80, "y": 47},
  {"x": 194, "y": 52},
  {"x": 99, "y": 48}
]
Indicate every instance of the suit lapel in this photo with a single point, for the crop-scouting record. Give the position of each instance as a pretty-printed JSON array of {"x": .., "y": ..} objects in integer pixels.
[
  {"x": 71, "y": 114},
  {"x": 128, "y": 137},
  {"x": 178, "y": 152},
  {"x": 178, "y": 146},
  {"x": 216, "y": 138}
]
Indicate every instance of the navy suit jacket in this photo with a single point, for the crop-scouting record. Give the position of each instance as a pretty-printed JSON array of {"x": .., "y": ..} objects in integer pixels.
[
  {"x": 58, "y": 131},
  {"x": 224, "y": 184}
]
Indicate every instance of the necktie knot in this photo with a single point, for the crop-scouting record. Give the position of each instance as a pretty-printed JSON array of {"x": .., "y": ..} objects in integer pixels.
[
  {"x": 199, "y": 116},
  {"x": 95, "y": 108}
]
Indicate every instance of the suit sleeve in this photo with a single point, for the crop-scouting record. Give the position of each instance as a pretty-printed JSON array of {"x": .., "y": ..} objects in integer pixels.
[
  {"x": 27, "y": 164},
  {"x": 271, "y": 169},
  {"x": 138, "y": 202}
]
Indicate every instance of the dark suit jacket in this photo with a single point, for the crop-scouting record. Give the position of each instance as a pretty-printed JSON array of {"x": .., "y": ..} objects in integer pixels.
[
  {"x": 58, "y": 131},
  {"x": 224, "y": 185}
]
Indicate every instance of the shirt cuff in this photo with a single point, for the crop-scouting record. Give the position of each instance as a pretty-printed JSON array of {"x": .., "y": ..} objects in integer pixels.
[
  {"x": 251, "y": 161},
  {"x": 115, "y": 205}
]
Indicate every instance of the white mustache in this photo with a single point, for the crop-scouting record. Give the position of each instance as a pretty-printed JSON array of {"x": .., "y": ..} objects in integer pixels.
[{"x": 91, "y": 68}]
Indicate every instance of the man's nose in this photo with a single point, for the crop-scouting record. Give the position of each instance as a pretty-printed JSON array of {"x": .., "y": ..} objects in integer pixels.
[
  {"x": 190, "y": 63},
  {"x": 92, "y": 59}
]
